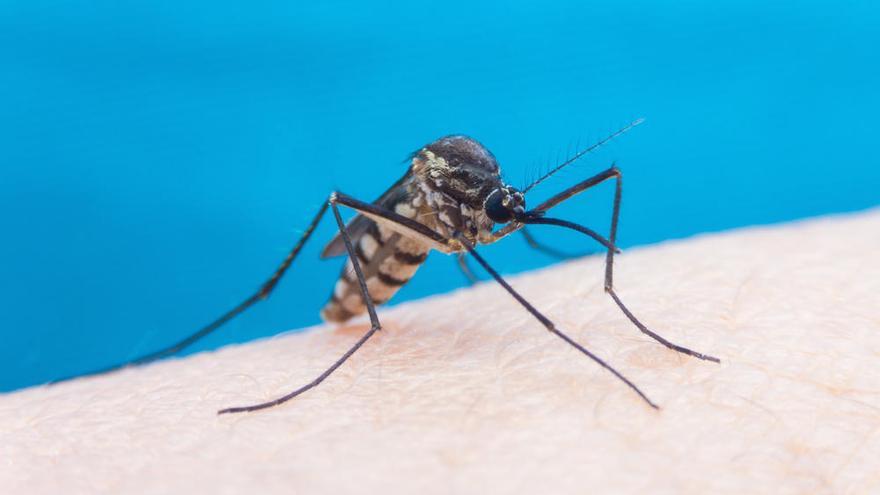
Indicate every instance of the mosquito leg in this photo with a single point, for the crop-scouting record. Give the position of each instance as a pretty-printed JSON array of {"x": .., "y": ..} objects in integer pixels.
[
  {"x": 547, "y": 249},
  {"x": 542, "y": 220},
  {"x": 609, "y": 279},
  {"x": 611, "y": 173},
  {"x": 549, "y": 324},
  {"x": 263, "y": 293},
  {"x": 461, "y": 260},
  {"x": 371, "y": 309},
  {"x": 399, "y": 223}
]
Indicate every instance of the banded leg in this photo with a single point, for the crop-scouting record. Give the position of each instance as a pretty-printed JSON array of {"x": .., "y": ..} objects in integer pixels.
[
  {"x": 611, "y": 173},
  {"x": 263, "y": 293},
  {"x": 549, "y": 325}
]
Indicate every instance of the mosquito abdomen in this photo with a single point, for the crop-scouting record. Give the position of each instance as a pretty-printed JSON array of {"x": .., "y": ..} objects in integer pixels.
[{"x": 388, "y": 261}]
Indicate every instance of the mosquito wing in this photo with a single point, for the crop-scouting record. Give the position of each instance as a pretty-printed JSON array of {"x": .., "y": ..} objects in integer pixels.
[{"x": 360, "y": 224}]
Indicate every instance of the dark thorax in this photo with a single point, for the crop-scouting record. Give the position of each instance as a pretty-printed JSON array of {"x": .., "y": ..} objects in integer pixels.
[
  {"x": 446, "y": 190},
  {"x": 453, "y": 176}
]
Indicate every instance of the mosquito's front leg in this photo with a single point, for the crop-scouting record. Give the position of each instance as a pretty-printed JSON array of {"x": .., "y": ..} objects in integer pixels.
[{"x": 612, "y": 173}]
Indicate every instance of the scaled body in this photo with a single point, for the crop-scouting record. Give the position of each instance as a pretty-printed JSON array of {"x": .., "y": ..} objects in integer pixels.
[{"x": 444, "y": 189}]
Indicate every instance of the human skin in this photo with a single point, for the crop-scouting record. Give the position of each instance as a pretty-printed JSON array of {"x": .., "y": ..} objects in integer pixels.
[{"x": 467, "y": 393}]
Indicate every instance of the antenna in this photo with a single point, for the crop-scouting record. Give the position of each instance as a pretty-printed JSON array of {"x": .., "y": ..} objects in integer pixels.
[{"x": 583, "y": 152}]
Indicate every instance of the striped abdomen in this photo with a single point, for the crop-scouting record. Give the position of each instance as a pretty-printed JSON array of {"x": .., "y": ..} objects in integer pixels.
[{"x": 388, "y": 261}]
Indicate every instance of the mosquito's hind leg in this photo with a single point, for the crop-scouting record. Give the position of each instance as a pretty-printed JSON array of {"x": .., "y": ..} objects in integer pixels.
[
  {"x": 265, "y": 289},
  {"x": 371, "y": 309},
  {"x": 379, "y": 214}
]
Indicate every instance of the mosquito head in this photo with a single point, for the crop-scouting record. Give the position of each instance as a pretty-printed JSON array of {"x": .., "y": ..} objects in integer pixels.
[
  {"x": 504, "y": 204},
  {"x": 460, "y": 182}
]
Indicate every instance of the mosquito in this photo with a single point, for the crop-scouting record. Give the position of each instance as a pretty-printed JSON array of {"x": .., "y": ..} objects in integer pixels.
[{"x": 451, "y": 199}]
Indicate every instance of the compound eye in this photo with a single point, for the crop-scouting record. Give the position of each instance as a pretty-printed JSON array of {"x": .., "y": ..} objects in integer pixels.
[{"x": 496, "y": 209}]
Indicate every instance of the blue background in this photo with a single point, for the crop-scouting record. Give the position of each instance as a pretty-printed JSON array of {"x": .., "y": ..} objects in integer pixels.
[{"x": 159, "y": 158}]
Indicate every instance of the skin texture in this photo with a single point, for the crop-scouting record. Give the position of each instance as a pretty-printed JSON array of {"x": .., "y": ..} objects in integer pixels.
[{"x": 466, "y": 393}]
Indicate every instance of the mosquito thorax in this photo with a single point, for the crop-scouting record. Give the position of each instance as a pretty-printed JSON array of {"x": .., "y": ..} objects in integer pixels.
[{"x": 455, "y": 176}]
